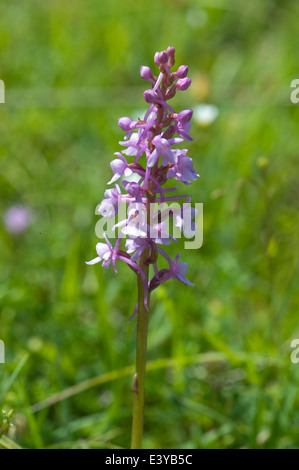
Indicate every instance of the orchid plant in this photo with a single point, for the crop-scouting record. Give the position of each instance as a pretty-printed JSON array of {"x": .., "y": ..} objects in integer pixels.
[{"x": 148, "y": 161}]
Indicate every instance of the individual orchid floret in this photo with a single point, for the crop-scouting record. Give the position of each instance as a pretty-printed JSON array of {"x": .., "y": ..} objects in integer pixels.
[
  {"x": 183, "y": 124},
  {"x": 119, "y": 167},
  {"x": 183, "y": 170},
  {"x": 163, "y": 148},
  {"x": 109, "y": 206},
  {"x": 104, "y": 251},
  {"x": 135, "y": 145},
  {"x": 127, "y": 125},
  {"x": 176, "y": 271},
  {"x": 136, "y": 224},
  {"x": 137, "y": 245},
  {"x": 179, "y": 271},
  {"x": 133, "y": 189}
]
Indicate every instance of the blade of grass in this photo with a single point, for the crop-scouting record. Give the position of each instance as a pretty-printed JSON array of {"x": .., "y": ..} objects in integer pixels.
[
  {"x": 151, "y": 365},
  {"x": 8, "y": 443},
  {"x": 13, "y": 376},
  {"x": 219, "y": 345}
]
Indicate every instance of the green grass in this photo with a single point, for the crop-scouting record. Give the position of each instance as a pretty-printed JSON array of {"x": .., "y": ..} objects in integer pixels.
[{"x": 219, "y": 373}]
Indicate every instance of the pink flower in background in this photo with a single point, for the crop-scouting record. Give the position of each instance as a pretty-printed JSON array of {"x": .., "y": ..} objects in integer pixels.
[{"x": 17, "y": 218}]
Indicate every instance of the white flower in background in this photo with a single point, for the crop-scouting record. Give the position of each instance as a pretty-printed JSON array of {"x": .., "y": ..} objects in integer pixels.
[{"x": 205, "y": 114}]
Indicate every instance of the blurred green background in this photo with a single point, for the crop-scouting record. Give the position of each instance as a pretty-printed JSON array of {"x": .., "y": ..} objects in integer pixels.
[{"x": 220, "y": 374}]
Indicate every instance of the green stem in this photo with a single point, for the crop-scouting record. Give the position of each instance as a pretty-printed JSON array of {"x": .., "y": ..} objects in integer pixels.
[
  {"x": 142, "y": 326},
  {"x": 139, "y": 377}
]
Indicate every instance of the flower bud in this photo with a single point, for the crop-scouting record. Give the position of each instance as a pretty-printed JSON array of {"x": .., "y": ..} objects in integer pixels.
[
  {"x": 132, "y": 188},
  {"x": 183, "y": 83},
  {"x": 185, "y": 115},
  {"x": 146, "y": 73},
  {"x": 171, "y": 51},
  {"x": 182, "y": 71},
  {"x": 125, "y": 123},
  {"x": 161, "y": 58},
  {"x": 150, "y": 96},
  {"x": 156, "y": 58}
]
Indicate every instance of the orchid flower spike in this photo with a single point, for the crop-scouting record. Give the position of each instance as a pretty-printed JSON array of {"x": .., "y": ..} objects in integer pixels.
[{"x": 149, "y": 159}]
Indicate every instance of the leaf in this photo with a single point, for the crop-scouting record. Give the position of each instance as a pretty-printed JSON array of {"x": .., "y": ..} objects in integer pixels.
[{"x": 8, "y": 443}]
